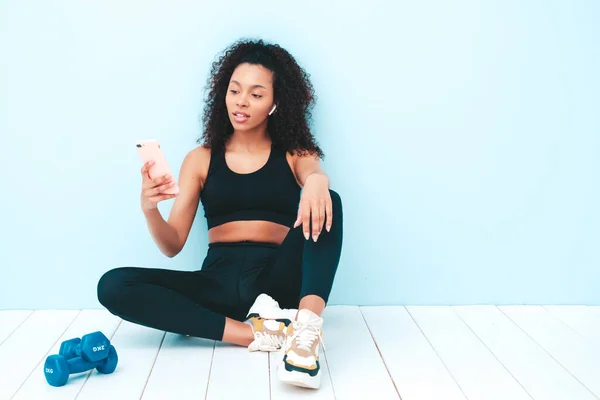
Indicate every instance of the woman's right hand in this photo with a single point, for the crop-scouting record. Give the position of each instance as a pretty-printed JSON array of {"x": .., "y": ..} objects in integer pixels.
[{"x": 152, "y": 189}]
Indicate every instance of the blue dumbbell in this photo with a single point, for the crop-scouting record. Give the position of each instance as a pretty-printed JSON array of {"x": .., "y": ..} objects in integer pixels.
[
  {"x": 91, "y": 347},
  {"x": 57, "y": 368}
]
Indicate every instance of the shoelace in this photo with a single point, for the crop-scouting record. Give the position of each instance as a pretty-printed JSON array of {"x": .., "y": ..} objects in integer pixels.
[
  {"x": 305, "y": 335},
  {"x": 269, "y": 339}
]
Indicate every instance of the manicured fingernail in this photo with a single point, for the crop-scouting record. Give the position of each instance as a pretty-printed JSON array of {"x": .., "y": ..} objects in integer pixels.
[
  {"x": 328, "y": 228},
  {"x": 315, "y": 237},
  {"x": 306, "y": 235},
  {"x": 167, "y": 176}
]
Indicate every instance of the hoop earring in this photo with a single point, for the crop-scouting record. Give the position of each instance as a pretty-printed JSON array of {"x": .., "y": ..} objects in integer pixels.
[{"x": 273, "y": 109}]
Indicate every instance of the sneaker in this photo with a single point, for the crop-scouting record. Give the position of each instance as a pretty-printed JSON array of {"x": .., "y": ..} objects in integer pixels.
[
  {"x": 268, "y": 323},
  {"x": 300, "y": 365},
  {"x": 268, "y": 308},
  {"x": 269, "y": 334}
]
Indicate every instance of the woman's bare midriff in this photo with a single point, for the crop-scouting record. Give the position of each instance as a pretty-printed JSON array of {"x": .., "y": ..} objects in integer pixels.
[{"x": 255, "y": 231}]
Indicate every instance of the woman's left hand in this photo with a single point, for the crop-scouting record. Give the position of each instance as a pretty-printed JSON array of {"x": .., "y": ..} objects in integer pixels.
[{"x": 315, "y": 204}]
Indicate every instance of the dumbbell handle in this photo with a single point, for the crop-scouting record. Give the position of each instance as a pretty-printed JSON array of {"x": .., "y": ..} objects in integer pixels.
[
  {"x": 78, "y": 364},
  {"x": 75, "y": 352}
]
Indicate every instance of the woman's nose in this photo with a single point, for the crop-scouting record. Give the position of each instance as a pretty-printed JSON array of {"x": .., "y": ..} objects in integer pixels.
[{"x": 242, "y": 101}]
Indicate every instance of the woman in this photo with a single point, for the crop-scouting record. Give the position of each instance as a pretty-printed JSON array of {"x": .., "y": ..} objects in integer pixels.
[{"x": 274, "y": 225}]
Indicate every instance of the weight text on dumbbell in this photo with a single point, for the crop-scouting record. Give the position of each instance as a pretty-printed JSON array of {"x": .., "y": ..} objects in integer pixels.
[{"x": 98, "y": 348}]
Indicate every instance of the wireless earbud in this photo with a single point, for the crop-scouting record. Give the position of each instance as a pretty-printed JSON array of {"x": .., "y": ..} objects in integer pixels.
[{"x": 272, "y": 110}]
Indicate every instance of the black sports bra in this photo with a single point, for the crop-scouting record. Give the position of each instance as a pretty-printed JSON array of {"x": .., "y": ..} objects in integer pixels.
[{"x": 268, "y": 194}]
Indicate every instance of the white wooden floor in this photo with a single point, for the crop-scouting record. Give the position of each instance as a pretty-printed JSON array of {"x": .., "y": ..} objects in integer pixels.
[{"x": 372, "y": 353}]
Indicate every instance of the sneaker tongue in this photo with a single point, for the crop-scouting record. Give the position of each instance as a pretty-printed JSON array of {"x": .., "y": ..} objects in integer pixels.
[{"x": 308, "y": 317}]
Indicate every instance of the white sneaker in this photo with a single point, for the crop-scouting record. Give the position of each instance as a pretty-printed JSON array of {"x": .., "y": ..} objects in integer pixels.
[
  {"x": 300, "y": 365},
  {"x": 268, "y": 323},
  {"x": 267, "y": 308},
  {"x": 268, "y": 334}
]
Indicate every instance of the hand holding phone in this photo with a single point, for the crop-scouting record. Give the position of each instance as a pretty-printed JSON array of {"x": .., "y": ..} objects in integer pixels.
[{"x": 158, "y": 183}]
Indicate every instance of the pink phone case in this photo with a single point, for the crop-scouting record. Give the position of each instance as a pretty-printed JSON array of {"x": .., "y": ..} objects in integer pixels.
[{"x": 150, "y": 150}]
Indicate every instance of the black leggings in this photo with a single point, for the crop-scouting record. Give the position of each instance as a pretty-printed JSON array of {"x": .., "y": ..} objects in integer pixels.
[{"x": 196, "y": 303}]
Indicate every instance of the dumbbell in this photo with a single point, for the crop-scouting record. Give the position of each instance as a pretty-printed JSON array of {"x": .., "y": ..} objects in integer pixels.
[
  {"x": 91, "y": 347},
  {"x": 57, "y": 368}
]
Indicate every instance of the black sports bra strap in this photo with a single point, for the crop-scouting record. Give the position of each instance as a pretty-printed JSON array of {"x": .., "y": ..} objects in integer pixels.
[{"x": 216, "y": 160}]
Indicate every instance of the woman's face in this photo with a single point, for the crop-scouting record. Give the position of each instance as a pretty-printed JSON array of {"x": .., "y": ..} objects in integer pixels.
[{"x": 249, "y": 96}]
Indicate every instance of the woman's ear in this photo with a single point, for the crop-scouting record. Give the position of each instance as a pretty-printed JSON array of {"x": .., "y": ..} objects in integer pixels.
[{"x": 273, "y": 109}]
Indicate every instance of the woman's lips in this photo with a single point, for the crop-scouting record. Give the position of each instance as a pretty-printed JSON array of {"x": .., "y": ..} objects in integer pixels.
[{"x": 240, "y": 117}]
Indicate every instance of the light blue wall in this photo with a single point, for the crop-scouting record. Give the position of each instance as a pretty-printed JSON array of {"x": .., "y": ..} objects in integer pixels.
[{"x": 463, "y": 136}]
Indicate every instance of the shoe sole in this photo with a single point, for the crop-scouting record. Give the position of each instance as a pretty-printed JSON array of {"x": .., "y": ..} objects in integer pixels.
[{"x": 297, "y": 378}]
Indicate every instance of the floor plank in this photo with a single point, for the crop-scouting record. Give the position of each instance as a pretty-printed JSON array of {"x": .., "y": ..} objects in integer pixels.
[
  {"x": 540, "y": 374},
  {"x": 283, "y": 391},
  {"x": 28, "y": 345},
  {"x": 584, "y": 320},
  {"x": 237, "y": 373},
  {"x": 572, "y": 351},
  {"x": 355, "y": 365},
  {"x": 87, "y": 321},
  {"x": 10, "y": 321},
  {"x": 479, "y": 374},
  {"x": 137, "y": 348},
  {"x": 181, "y": 369},
  {"x": 418, "y": 372}
]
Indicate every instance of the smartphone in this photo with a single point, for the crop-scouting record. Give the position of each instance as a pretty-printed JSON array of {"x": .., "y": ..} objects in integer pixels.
[{"x": 149, "y": 150}]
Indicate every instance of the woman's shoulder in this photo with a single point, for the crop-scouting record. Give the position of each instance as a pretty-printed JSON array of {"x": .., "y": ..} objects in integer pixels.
[
  {"x": 201, "y": 151},
  {"x": 294, "y": 155},
  {"x": 198, "y": 161}
]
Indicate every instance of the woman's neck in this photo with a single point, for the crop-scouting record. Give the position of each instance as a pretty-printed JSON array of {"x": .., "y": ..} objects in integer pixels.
[{"x": 250, "y": 141}]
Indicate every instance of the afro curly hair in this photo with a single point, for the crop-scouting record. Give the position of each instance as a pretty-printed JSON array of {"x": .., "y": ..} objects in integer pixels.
[{"x": 289, "y": 127}]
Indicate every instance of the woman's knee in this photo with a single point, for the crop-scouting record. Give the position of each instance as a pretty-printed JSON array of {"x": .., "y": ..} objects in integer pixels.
[
  {"x": 336, "y": 204},
  {"x": 336, "y": 200},
  {"x": 111, "y": 285}
]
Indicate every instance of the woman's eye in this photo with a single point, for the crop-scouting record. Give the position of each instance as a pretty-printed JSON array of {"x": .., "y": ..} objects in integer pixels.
[{"x": 256, "y": 96}]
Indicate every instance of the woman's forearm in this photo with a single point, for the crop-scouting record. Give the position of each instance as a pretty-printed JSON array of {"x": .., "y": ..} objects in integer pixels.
[{"x": 164, "y": 235}]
